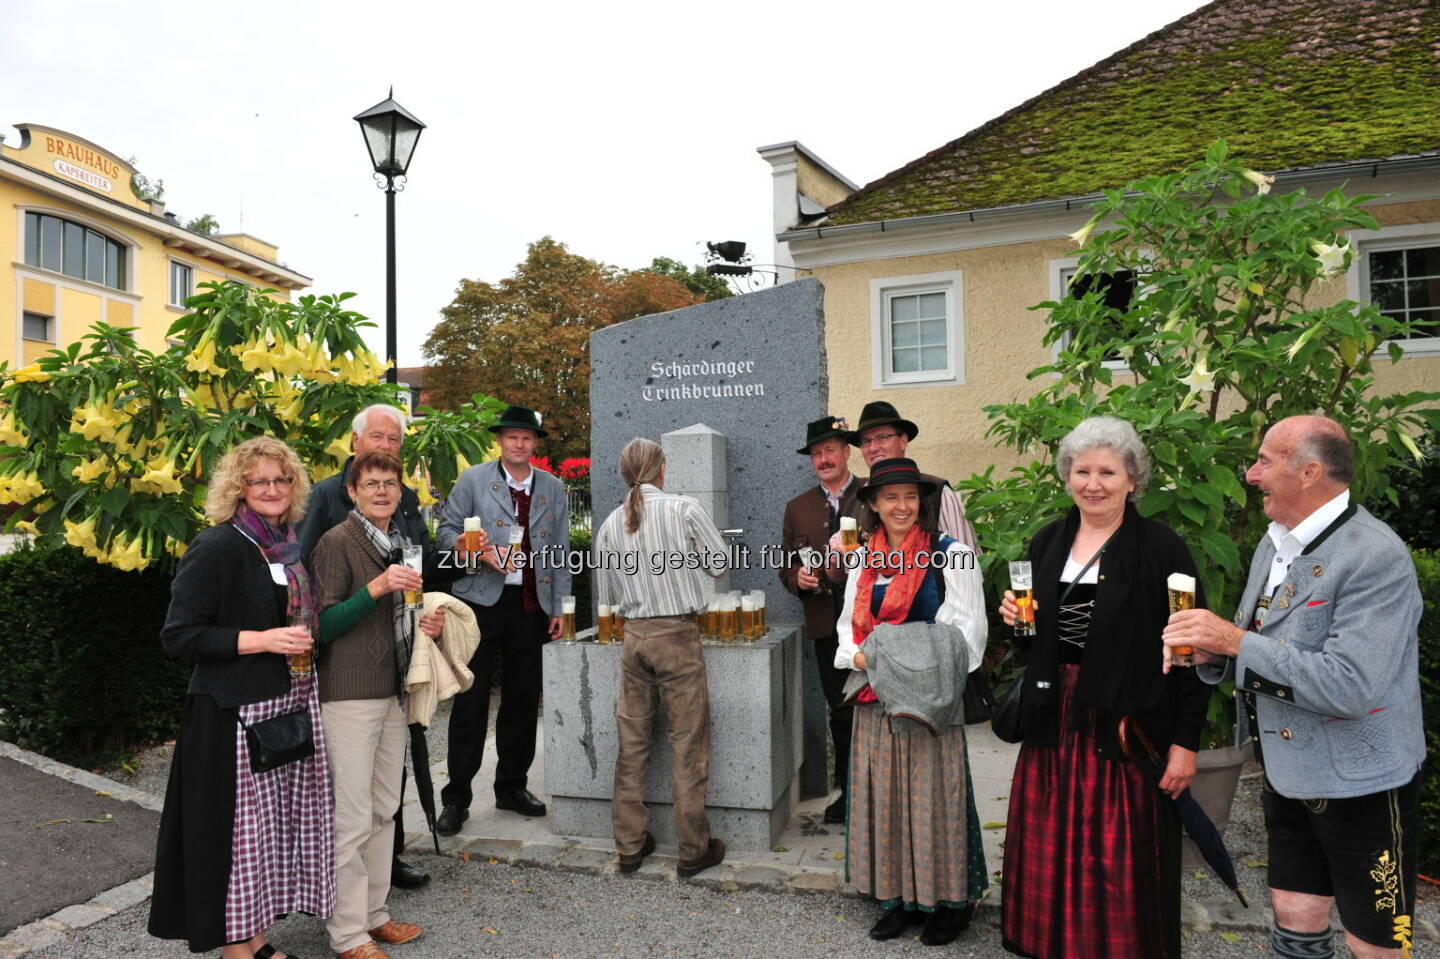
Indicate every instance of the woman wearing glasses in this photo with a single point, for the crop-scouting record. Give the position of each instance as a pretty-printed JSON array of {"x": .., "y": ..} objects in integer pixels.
[
  {"x": 242, "y": 610},
  {"x": 367, "y": 633}
]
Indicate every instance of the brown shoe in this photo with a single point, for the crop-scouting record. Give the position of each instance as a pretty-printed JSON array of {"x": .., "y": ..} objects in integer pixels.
[
  {"x": 632, "y": 863},
  {"x": 714, "y": 856},
  {"x": 366, "y": 950},
  {"x": 396, "y": 932}
]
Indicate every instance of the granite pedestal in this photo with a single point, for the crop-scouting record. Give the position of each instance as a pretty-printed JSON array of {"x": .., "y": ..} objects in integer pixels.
[{"x": 755, "y": 739}]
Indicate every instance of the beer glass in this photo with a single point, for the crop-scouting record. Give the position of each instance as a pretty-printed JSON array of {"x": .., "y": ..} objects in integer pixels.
[
  {"x": 849, "y": 534},
  {"x": 605, "y": 627},
  {"x": 728, "y": 619},
  {"x": 617, "y": 631},
  {"x": 517, "y": 541},
  {"x": 747, "y": 617},
  {"x": 1023, "y": 586},
  {"x": 301, "y": 663},
  {"x": 711, "y": 619},
  {"x": 567, "y": 618},
  {"x": 1182, "y": 596},
  {"x": 759, "y": 597},
  {"x": 470, "y": 541},
  {"x": 413, "y": 558}
]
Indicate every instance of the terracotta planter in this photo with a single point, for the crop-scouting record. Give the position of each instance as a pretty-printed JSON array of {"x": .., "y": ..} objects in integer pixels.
[{"x": 1216, "y": 778}]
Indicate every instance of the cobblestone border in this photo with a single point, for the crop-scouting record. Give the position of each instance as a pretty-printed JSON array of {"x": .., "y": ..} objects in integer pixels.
[{"x": 43, "y": 932}]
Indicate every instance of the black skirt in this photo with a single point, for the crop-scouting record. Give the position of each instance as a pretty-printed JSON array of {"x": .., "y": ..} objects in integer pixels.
[{"x": 192, "y": 855}]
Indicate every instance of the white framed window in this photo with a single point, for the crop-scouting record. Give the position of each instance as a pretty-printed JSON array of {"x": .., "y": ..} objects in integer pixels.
[
  {"x": 38, "y": 326},
  {"x": 181, "y": 282},
  {"x": 1119, "y": 288},
  {"x": 1397, "y": 269},
  {"x": 917, "y": 330}
]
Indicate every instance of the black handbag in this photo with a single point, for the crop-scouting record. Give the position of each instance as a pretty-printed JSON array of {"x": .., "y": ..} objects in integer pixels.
[
  {"x": 279, "y": 740},
  {"x": 1008, "y": 723},
  {"x": 978, "y": 698}
]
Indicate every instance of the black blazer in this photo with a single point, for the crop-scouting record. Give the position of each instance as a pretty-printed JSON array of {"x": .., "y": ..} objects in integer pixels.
[
  {"x": 1120, "y": 672},
  {"x": 223, "y": 585}
]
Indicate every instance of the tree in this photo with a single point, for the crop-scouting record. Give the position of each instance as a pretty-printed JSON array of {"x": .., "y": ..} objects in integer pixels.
[
  {"x": 526, "y": 339},
  {"x": 696, "y": 280},
  {"x": 107, "y": 446},
  {"x": 204, "y": 224},
  {"x": 1228, "y": 329}
]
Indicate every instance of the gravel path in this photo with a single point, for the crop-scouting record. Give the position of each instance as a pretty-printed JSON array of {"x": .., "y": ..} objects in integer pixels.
[{"x": 478, "y": 909}]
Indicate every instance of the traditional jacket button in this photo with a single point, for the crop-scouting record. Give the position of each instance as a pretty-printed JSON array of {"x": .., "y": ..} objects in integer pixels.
[
  {"x": 1286, "y": 734},
  {"x": 1254, "y": 685}
]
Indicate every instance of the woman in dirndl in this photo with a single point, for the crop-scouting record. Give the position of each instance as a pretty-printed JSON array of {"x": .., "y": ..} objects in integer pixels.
[
  {"x": 238, "y": 849},
  {"x": 1092, "y": 846},
  {"x": 907, "y": 842}
]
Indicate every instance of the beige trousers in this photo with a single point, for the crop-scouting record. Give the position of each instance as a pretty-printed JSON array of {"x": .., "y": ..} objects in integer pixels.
[
  {"x": 365, "y": 739},
  {"x": 662, "y": 664}
]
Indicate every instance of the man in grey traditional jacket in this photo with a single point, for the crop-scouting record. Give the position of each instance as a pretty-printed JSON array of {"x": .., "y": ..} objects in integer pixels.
[{"x": 1325, "y": 658}]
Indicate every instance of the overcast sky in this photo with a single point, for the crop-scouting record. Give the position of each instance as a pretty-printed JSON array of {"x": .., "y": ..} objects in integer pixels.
[{"x": 626, "y": 130}]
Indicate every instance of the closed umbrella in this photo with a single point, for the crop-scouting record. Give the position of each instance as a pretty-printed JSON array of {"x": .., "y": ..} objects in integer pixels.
[
  {"x": 1198, "y": 826},
  {"x": 424, "y": 785}
]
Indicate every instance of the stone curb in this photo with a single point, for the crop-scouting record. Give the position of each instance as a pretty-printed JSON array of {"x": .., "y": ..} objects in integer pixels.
[{"x": 21, "y": 941}]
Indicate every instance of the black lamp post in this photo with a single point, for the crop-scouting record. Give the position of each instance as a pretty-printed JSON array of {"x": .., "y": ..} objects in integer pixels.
[{"x": 391, "y": 133}]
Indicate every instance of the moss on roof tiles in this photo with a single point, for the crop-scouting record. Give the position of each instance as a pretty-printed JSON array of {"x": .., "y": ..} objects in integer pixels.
[{"x": 1288, "y": 83}]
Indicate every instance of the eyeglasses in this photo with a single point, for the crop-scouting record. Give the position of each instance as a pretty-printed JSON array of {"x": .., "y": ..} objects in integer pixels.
[
  {"x": 878, "y": 439},
  {"x": 279, "y": 482},
  {"x": 372, "y": 486}
]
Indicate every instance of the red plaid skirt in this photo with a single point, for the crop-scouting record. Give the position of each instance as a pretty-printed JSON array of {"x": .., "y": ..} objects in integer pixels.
[{"x": 1082, "y": 874}]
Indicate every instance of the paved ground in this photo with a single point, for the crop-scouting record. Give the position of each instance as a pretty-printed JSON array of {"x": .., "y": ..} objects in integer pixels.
[
  {"x": 507, "y": 886},
  {"x": 63, "y": 843}
]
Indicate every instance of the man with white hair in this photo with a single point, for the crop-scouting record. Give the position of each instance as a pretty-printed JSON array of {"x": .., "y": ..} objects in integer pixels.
[{"x": 379, "y": 427}]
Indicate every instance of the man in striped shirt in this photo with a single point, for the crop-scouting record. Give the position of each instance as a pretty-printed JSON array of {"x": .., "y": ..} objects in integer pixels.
[{"x": 671, "y": 545}]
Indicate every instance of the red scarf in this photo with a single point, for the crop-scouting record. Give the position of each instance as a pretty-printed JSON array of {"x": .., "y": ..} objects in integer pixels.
[{"x": 905, "y": 582}]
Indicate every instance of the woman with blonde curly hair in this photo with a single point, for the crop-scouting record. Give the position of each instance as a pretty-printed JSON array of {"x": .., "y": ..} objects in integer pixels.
[{"x": 242, "y": 841}]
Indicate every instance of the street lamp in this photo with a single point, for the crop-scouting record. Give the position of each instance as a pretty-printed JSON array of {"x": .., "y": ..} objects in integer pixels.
[{"x": 391, "y": 133}]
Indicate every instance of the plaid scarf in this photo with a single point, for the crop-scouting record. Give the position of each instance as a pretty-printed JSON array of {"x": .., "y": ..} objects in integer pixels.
[
  {"x": 280, "y": 545},
  {"x": 404, "y": 623}
]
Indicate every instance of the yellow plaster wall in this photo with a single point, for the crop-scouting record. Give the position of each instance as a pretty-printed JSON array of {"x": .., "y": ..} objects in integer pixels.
[
  {"x": 144, "y": 305},
  {"x": 817, "y": 183},
  {"x": 1003, "y": 341}
]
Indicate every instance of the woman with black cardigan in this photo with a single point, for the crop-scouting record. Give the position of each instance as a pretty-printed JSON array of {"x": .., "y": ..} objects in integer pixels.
[
  {"x": 1092, "y": 847},
  {"x": 239, "y": 849}
]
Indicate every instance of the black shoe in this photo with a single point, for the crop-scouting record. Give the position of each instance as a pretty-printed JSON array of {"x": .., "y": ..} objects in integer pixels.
[
  {"x": 631, "y": 863},
  {"x": 944, "y": 925},
  {"x": 521, "y": 801},
  {"x": 714, "y": 856},
  {"x": 892, "y": 924},
  {"x": 405, "y": 876},
  {"x": 450, "y": 819},
  {"x": 835, "y": 812}
]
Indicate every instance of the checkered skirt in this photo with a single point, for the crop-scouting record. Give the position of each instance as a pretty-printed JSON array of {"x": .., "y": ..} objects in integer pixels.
[
  {"x": 907, "y": 834},
  {"x": 283, "y": 844},
  {"x": 1082, "y": 874}
]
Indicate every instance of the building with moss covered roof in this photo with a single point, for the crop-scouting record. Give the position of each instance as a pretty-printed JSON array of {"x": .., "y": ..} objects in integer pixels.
[{"x": 930, "y": 270}]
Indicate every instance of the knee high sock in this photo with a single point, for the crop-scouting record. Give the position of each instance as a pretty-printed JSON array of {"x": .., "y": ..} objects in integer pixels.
[{"x": 1288, "y": 944}]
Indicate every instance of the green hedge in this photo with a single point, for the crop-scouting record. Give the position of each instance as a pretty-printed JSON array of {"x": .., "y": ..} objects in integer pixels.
[
  {"x": 82, "y": 675},
  {"x": 1427, "y": 564}
]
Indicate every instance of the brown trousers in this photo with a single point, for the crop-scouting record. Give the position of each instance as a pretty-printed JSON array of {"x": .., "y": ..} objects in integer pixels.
[{"x": 662, "y": 663}]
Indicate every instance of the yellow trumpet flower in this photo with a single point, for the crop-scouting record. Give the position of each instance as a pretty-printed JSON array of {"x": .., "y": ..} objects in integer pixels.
[
  {"x": 30, "y": 374},
  {"x": 93, "y": 423},
  {"x": 203, "y": 360},
  {"x": 81, "y": 535},
  {"x": 90, "y": 470},
  {"x": 10, "y": 434}
]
